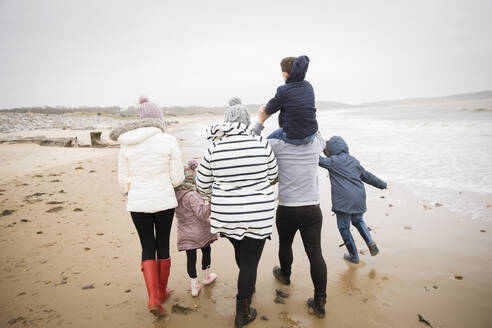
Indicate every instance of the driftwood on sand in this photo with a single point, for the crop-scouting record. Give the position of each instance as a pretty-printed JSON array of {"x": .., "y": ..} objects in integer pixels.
[
  {"x": 95, "y": 138},
  {"x": 42, "y": 141}
]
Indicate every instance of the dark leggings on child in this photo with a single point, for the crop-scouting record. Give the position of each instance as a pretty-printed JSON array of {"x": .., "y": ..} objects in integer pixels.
[
  {"x": 247, "y": 253},
  {"x": 308, "y": 220},
  {"x": 191, "y": 260},
  {"x": 149, "y": 223}
]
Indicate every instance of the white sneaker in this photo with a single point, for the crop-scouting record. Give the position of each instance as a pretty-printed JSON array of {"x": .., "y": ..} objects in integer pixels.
[
  {"x": 208, "y": 277},
  {"x": 195, "y": 287}
]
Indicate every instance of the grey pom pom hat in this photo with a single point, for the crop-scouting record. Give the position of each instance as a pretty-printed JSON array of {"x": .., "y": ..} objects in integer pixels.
[{"x": 237, "y": 112}]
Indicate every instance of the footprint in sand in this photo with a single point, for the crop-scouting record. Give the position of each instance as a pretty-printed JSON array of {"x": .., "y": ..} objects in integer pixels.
[
  {"x": 289, "y": 321},
  {"x": 37, "y": 194},
  {"x": 55, "y": 209},
  {"x": 176, "y": 308},
  {"x": 6, "y": 212},
  {"x": 15, "y": 320},
  {"x": 91, "y": 286}
]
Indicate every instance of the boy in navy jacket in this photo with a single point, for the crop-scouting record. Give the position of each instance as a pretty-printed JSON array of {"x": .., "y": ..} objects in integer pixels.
[
  {"x": 348, "y": 195},
  {"x": 295, "y": 100}
]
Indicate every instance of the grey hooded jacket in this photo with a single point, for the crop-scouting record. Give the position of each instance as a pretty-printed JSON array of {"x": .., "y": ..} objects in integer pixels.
[{"x": 348, "y": 194}]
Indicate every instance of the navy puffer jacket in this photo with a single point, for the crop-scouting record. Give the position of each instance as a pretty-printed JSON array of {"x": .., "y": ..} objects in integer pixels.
[
  {"x": 348, "y": 194},
  {"x": 295, "y": 100}
]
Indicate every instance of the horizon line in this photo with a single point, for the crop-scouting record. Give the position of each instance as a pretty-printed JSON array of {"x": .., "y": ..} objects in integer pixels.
[{"x": 361, "y": 104}]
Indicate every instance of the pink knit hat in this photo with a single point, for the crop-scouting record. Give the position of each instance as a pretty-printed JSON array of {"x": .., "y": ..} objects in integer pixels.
[{"x": 148, "y": 109}]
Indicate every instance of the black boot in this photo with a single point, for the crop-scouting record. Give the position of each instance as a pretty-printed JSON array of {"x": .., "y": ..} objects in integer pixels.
[
  {"x": 280, "y": 275},
  {"x": 373, "y": 249},
  {"x": 352, "y": 256},
  {"x": 316, "y": 306},
  {"x": 244, "y": 313},
  {"x": 249, "y": 306},
  {"x": 364, "y": 232}
]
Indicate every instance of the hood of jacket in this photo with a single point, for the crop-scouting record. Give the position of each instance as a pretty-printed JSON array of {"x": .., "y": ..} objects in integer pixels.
[
  {"x": 336, "y": 145},
  {"x": 132, "y": 126},
  {"x": 299, "y": 69},
  {"x": 183, "y": 189},
  {"x": 180, "y": 193},
  {"x": 219, "y": 131},
  {"x": 137, "y": 131}
]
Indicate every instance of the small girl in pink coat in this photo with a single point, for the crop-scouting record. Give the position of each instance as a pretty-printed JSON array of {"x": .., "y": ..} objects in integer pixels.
[{"x": 193, "y": 215}]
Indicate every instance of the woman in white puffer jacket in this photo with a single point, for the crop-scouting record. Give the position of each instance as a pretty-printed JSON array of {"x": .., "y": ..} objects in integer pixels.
[{"x": 150, "y": 166}]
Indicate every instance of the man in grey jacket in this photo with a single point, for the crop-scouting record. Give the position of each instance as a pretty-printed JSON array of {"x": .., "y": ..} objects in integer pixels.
[{"x": 298, "y": 209}]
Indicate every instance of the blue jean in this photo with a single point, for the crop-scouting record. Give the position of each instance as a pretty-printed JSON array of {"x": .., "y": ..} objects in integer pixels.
[
  {"x": 280, "y": 134},
  {"x": 343, "y": 222}
]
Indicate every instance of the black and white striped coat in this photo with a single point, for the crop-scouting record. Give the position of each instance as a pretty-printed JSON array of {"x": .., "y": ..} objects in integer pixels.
[{"x": 237, "y": 169}]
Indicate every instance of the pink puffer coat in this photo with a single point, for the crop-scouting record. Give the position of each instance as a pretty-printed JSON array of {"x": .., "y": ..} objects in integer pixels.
[{"x": 193, "y": 221}]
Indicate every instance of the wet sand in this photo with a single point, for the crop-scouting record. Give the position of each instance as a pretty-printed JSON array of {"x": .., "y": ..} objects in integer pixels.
[{"x": 70, "y": 230}]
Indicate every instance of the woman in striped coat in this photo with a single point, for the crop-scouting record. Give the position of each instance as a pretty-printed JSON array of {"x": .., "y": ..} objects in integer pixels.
[{"x": 238, "y": 170}]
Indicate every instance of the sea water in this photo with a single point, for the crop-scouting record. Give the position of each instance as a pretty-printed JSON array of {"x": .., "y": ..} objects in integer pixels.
[{"x": 442, "y": 152}]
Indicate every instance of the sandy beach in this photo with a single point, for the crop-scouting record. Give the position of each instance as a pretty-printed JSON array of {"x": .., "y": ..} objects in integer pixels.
[{"x": 70, "y": 255}]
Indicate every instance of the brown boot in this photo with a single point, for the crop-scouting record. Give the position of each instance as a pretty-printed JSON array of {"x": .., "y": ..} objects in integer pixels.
[
  {"x": 244, "y": 313},
  {"x": 316, "y": 305}
]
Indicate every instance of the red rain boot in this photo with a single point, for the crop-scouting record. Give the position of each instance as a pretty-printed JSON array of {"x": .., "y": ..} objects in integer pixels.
[
  {"x": 149, "y": 269},
  {"x": 164, "y": 267}
]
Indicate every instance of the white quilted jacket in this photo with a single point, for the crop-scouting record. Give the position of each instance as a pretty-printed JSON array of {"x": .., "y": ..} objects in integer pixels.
[{"x": 150, "y": 166}]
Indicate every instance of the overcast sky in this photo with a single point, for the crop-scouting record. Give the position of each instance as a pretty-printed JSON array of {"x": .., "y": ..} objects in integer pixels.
[{"x": 103, "y": 52}]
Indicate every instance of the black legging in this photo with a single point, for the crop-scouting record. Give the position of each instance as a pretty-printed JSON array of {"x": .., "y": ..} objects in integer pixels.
[
  {"x": 146, "y": 223},
  {"x": 308, "y": 220},
  {"x": 191, "y": 260},
  {"x": 247, "y": 253}
]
